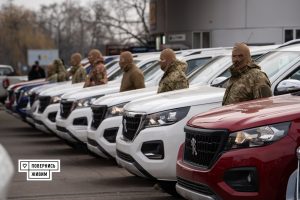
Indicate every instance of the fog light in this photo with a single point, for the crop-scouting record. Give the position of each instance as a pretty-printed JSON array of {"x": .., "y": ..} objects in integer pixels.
[
  {"x": 52, "y": 116},
  {"x": 153, "y": 149},
  {"x": 81, "y": 121},
  {"x": 242, "y": 179},
  {"x": 110, "y": 134}
]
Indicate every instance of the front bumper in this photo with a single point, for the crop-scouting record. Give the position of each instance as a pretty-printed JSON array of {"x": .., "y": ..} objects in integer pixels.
[
  {"x": 98, "y": 141},
  {"x": 47, "y": 121},
  {"x": 30, "y": 112},
  {"x": 71, "y": 132},
  {"x": 39, "y": 124},
  {"x": 191, "y": 195},
  {"x": 274, "y": 163},
  {"x": 161, "y": 169}
]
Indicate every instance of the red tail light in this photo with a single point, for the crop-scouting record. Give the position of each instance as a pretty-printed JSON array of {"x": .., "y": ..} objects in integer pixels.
[{"x": 5, "y": 83}]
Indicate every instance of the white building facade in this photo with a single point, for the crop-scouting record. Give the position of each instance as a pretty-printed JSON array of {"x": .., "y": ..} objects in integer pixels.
[{"x": 213, "y": 23}]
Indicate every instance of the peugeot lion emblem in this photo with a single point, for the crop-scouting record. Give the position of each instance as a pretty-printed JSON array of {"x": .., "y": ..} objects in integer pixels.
[{"x": 194, "y": 149}]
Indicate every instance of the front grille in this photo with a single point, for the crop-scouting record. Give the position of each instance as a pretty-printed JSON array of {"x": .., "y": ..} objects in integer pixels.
[
  {"x": 99, "y": 113},
  {"x": 201, "y": 188},
  {"x": 65, "y": 108},
  {"x": 203, "y": 146},
  {"x": 32, "y": 98},
  {"x": 44, "y": 102},
  {"x": 10, "y": 95},
  {"x": 132, "y": 124},
  {"x": 22, "y": 103},
  {"x": 125, "y": 156},
  {"x": 17, "y": 96}
]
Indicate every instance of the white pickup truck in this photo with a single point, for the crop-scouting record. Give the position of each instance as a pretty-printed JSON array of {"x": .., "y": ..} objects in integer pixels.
[
  {"x": 149, "y": 137},
  {"x": 6, "y": 78}
]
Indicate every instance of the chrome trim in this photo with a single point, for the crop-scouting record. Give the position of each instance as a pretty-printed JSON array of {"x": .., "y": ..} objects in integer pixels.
[{"x": 191, "y": 195}]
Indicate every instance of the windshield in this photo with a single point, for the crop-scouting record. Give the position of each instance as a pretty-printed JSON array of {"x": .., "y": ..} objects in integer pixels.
[
  {"x": 5, "y": 71},
  {"x": 274, "y": 61},
  {"x": 110, "y": 64},
  {"x": 117, "y": 74},
  {"x": 194, "y": 64},
  {"x": 153, "y": 71},
  {"x": 208, "y": 70}
]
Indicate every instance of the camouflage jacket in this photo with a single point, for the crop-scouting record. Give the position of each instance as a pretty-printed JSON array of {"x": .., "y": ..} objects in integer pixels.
[
  {"x": 97, "y": 75},
  {"x": 174, "y": 78},
  {"x": 60, "y": 70},
  {"x": 133, "y": 78},
  {"x": 52, "y": 78},
  {"x": 246, "y": 84},
  {"x": 78, "y": 74}
]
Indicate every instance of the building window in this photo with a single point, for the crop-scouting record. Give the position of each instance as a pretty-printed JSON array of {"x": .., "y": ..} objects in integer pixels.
[
  {"x": 201, "y": 40},
  {"x": 291, "y": 34},
  {"x": 298, "y": 34},
  {"x": 159, "y": 41}
]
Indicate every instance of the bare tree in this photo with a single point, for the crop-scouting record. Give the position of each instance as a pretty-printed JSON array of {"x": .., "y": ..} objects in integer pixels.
[
  {"x": 19, "y": 32},
  {"x": 68, "y": 25},
  {"x": 76, "y": 28},
  {"x": 128, "y": 19}
]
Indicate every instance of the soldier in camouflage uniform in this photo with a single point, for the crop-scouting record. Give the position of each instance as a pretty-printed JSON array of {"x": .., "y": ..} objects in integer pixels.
[
  {"x": 174, "y": 77},
  {"x": 98, "y": 74},
  {"x": 51, "y": 75},
  {"x": 57, "y": 72},
  {"x": 247, "y": 81},
  {"x": 61, "y": 70},
  {"x": 133, "y": 77},
  {"x": 77, "y": 71}
]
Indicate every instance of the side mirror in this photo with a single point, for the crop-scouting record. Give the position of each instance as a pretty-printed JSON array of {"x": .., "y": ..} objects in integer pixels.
[
  {"x": 288, "y": 86},
  {"x": 218, "y": 82}
]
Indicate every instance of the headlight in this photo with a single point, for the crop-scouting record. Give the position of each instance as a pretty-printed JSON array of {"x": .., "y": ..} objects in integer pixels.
[
  {"x": 25, "y": 94},
  {"x": 83, "y": 103},
  {"x": 116, "y": 110},
  {"x": 55, "y": 99},
  {"x": 259, "y": 136},
  {"x": 165, "y": 118}
]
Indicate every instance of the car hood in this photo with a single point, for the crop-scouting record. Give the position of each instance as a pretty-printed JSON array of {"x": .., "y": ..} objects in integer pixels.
[
  {"x": 123, "y": 97},
  {"x": 24, "y": 83},
  {"x": 42, "y": 88},
  {"x": 99, "y": 90},
  {"x": 250, "y": 114},
  {"x": 60, "y": 89},
  {"x": 176, "y": 99}
]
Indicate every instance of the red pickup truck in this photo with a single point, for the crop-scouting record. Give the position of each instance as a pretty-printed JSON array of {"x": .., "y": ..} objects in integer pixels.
[{"x": 242, "y": 151}]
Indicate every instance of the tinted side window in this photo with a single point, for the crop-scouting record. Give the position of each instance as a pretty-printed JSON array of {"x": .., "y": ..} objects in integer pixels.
[
  {"x": 195, "y": 63},
  {"x": 5, "y": 71}
]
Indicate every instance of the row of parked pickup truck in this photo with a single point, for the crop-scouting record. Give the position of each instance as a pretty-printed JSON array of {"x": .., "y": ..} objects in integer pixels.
[{"x": 182, "y": 139}]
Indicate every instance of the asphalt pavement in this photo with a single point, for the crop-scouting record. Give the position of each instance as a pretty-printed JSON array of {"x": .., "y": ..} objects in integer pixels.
[{"x": 82, "y": 176}]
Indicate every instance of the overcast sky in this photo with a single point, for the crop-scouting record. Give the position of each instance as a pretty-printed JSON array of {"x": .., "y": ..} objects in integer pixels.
[{"x": 35, "y": 4}]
